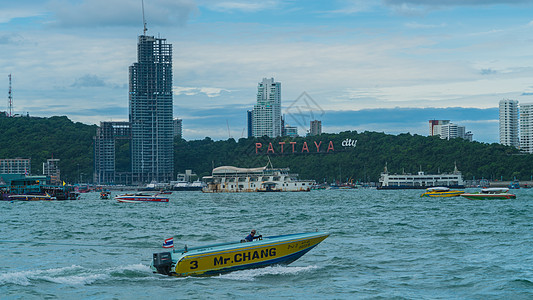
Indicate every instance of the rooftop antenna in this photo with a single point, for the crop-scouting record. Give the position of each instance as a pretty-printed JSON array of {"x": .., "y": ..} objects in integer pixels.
[
  {"x": 144, "y": 20},
  {"x": 9, "y": 99}
]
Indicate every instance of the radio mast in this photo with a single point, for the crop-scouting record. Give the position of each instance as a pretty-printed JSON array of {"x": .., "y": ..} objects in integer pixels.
[{"x": 9, "y": 99}]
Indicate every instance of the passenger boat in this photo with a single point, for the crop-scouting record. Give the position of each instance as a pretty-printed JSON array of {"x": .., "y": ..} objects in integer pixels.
[
  {"x": 490, "y": 193},
  {"x": 226, "y": 257},
  {"x": 441, "y": 191},
  {"x": 229, "y": 179},
  {"x": 141, "y": 197},
  {"x": 31, "y": 197},
  {"x": 420, "y": 180}
]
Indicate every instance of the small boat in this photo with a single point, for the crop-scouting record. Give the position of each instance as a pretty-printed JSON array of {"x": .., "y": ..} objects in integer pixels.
[
  {"x": 227, "y": 257},
  {"x": 490, "y": 193},
  {"x": 105, "y": 195},
  {"x": 441, "y": 191},
  {"x": 140, "y": 197},
  {"x": 31, "y": 197}
]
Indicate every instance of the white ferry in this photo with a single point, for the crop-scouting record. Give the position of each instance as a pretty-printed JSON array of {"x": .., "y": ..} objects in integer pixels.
[
  {"x": 228, "y": 179},
  {"x": 420, "y": 181}
]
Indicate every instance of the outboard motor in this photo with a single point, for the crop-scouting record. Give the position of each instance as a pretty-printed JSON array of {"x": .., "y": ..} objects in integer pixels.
[{"x": 163, "y": 262}]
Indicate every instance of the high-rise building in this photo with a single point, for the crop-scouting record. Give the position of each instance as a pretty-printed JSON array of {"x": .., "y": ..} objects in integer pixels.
[
  {"x": 105, "y": 143},
  {"x": 316, "y": 128},
  {"x": 526, "y": 127},
  {"x": 509, "y": 123},
  {"x": 266, "y": 119},
  {"x": 249, "y": 122},
  {"x": 435, "y": 126},
  {"x": 150, "y": 111},
  {"x": 178, "y": 127}
]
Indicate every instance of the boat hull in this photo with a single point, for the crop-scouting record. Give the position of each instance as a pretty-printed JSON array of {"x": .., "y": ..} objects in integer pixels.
[
  {"x": 488, "y": 196},
  {"x": 443, "y": 194},
  {"x": 31, "y": 197},
  {"x": 280, "y": 250},
  {"x": 127, "y": 199}
]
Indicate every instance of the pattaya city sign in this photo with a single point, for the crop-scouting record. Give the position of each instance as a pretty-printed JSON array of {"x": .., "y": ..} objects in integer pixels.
[{"x": 294, "y": 147}]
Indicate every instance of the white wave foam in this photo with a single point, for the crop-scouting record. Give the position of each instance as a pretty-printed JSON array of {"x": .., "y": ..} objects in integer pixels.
[
  {"x": 19, "y": 278},
  {"x": 252, "y": 274}
]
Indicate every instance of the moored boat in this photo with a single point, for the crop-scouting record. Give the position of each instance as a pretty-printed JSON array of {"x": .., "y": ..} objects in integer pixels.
[
  {"x": 31, "y": 197},
  {"x": 226, "y": 257},
  {"x": 490, "y": 193},
  {"x": 141, "y": 197},
  {"x": 441, "y": 191}
]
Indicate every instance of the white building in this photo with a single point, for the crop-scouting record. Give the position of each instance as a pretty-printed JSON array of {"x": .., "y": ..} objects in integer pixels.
[
  {"x": 526, "y": 127},
  {"x": 435, "y": 126},
  {"x": 509, "y": 123},
  {"x": 447, "y": 130},
  {"x": 266, "y": 116},
  {"x": 51, "y": 168},
  {"x": 315, "y": 128}
]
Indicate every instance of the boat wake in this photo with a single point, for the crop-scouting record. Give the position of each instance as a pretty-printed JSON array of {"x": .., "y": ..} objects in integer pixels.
[
  {"x": 252, "y": 274},
  {"x": 75, "y": 275}
]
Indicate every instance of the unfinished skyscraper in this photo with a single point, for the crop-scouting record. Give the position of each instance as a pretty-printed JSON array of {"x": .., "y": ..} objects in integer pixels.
[{"x": 150, "y": 111}]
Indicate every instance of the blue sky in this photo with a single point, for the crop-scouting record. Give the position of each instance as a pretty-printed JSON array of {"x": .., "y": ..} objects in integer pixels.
[{"x": 376, "y": 65}]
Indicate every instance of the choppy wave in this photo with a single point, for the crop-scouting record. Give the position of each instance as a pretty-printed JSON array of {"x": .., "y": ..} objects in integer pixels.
[
  {"x": 74, "y": 275},
  {"x": 253, "y": 274}
]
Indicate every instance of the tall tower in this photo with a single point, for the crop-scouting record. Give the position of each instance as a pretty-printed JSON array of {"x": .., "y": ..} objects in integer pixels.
[
  {"x": 526, "y": 127},
  {"x": 266, "y": 117},
  {"x": 150, "y": 111},
  {"x": 509, "y": 123}
]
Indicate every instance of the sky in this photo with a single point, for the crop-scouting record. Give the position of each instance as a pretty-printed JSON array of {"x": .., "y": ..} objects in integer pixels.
[{"x": 365, "y": 65}]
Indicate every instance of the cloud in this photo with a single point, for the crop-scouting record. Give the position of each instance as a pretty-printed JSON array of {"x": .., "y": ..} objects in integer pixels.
[
  {"x": 242, "y": 6},
  {"x": 88, "y": 81},
  {"x": 191, "y": 91},
  {"x": 103, "y": 13},
  {"x": 443, "y": 3}
]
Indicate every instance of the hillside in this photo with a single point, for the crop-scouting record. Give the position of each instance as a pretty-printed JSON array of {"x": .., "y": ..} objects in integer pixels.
[
  {"x": 364, "y": 162},
  {"x": 42, "y": 138}
]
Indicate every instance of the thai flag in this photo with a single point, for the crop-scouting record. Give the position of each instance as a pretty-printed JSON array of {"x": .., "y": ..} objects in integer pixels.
[{"x": 169, "y": 243}]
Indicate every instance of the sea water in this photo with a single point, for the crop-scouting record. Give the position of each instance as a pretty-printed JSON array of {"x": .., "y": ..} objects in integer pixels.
[{"x": 383, "y": 244}]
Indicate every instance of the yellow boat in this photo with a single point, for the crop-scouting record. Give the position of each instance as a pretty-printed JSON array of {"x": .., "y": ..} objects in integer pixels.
[
  {"x": 226, "y": 257},
  {"x": 441, "y": 192}
]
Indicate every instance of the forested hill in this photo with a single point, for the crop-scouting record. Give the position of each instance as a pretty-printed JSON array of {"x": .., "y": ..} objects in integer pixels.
[
  {"x": 363, "y": 160},
  {"x": 44, "y": 138},
  {"x": 362, "y": 157}
]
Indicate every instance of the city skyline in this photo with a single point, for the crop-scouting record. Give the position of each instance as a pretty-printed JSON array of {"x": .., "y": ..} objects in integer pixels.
[{"x": 455, "y": 60}]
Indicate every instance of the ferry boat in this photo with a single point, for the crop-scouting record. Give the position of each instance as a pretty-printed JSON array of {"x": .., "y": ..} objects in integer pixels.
[
  {"x": 490, "y": 193},
  {"x": 420, "y": 181},
  {"x": 441, "y": 192},
  {"x": 140, "y": 197},
  {"x": 228, "y": 179},
  {"x": 227, "y": 257}
]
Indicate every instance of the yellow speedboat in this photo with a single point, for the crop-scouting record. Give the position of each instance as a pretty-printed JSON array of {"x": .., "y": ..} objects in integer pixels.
[
  {"x": 441, "y": 192},
  {"x": 221, "y": 258}
]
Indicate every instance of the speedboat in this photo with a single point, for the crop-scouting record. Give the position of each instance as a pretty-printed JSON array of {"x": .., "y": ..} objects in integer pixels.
[
  {"x": 141, "y": 197},
  {"x": 226, "y": 257},
  {"x": 490, "y": 193},
  {"x": 441, "y": 192}
]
